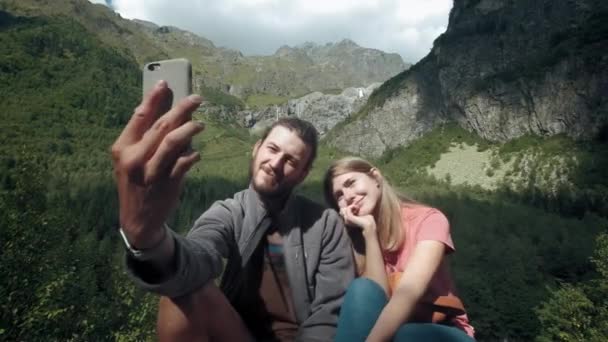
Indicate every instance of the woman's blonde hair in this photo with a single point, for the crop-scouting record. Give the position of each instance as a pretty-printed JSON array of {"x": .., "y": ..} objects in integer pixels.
[{"x": 389, "y": 222}]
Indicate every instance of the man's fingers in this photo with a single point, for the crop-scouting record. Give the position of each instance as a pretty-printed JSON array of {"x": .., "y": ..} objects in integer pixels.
[
  {"x": 144, "y": 115},
  {"x": 183, "y": 164},
  {"x": 176, "y": 117},
  {"x": 170, "y": 149},
  {"x": 141, "y": 152}
]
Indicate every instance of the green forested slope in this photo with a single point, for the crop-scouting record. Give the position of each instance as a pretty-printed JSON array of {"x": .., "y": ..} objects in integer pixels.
[
  {"x": 62, "y": 91},
  {"x": 64, "y": 95}
]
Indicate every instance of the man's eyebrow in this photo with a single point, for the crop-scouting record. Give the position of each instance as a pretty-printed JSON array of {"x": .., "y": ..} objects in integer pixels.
[{"x": 272, "y": 144}]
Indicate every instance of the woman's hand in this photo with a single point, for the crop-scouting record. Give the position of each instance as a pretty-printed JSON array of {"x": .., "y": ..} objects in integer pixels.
[{"x": 366, "y": 223}]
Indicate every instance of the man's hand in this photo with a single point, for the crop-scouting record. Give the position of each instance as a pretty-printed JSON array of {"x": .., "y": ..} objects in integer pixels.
[{"x": 151, "y": 157}]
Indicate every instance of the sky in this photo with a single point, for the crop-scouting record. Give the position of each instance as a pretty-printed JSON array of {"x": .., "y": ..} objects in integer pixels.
[{"x": 260, "y": 27}]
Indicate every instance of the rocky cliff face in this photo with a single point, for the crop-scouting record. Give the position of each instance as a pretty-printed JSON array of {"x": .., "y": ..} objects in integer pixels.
[
  {"x": 502, "y": 69},
  {"x": 324, "y": 111}
]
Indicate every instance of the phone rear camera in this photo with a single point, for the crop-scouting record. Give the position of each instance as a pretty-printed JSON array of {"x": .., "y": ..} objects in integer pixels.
[{"x": 153, "y": 66}]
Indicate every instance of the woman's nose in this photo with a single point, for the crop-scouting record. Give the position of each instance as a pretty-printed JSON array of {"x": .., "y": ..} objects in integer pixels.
[{"x": 349, "y": 196}]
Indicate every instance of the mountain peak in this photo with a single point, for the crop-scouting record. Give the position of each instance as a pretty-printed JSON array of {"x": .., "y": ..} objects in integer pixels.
[{"x": 347, "y": 43}]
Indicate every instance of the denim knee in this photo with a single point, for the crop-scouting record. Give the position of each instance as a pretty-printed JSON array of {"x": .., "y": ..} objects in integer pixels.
[
  {"x": 363, "y": 303},
  {"x": 365, "y": 291}
]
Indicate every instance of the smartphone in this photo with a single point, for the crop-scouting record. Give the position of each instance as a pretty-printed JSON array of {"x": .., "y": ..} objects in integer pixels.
[{"x": 176, "y": 72}]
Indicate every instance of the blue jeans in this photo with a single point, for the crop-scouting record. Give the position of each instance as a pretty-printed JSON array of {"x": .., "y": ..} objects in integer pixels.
[{"x": 363, "y": 303}]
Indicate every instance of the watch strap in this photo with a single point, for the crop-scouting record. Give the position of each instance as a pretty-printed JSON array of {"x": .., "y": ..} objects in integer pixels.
[{"x": 147, "y": 253}]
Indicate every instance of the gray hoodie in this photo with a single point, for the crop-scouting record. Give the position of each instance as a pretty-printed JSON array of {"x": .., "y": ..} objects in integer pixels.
[{"x": 317, "y": 251}]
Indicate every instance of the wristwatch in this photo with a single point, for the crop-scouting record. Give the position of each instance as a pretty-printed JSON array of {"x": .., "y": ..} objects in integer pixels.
[{"x": 147, "y": 253}]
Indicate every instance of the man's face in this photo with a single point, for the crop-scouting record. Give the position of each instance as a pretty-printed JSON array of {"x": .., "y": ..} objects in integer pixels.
[{"x": 279, "y": 163}]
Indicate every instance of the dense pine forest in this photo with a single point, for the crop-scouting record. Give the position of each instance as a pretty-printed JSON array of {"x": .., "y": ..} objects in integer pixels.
[{"x": 530, "y": 265}]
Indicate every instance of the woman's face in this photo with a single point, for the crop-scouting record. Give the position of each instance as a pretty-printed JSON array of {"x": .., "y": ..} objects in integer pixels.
[{"x": 357, "y": 191}]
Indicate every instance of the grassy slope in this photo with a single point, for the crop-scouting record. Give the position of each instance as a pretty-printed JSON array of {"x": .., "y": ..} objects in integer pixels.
[
  {"x": 122, "y": 35},
  {"x": 501, "y": 266}
]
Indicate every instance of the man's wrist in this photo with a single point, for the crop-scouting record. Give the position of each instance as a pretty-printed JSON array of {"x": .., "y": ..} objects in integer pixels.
[{"x": 154, "y": 251}]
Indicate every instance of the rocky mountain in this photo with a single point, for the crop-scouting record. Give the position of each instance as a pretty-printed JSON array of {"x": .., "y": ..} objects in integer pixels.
[
  {"x": 324, "y": 111},
  {"x": 257, "y": 80},
  {"x": 295, "y": 71},
  {"x": 502, "y": 69},
  {"x": 346, "y": 63}
]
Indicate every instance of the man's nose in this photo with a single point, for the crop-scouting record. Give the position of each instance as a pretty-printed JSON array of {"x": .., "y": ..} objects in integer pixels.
[{"x": 275, "y": 162}]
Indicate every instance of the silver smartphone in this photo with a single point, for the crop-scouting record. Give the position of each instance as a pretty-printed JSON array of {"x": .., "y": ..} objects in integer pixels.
[{"x": 176, "y": 72}]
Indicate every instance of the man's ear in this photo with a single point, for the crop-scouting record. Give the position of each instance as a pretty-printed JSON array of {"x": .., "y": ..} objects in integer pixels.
[
  {"x": 305, "y": 173},
  {"x": 303, "y": 176},
  {"x": 256, "y": 147},
  {"x": 309, "y": 167}
]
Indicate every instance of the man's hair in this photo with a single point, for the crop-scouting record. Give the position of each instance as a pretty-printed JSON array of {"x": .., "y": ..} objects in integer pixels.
[{"x": 303, "y": 129}]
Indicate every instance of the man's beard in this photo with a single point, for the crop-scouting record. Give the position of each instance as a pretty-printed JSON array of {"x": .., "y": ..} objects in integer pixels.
[{"x": 282, "y": 189}]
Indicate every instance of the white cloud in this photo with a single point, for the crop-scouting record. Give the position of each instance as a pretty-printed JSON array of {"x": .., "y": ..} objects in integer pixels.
[
  {"x": 413, "y": 12},
  {"x": 407, "y": 27}
]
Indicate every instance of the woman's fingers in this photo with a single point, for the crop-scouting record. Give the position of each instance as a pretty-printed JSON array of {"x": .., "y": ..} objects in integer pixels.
[
  {"x": 365, "y": 222},
  {"x": 349, "y": 218}
]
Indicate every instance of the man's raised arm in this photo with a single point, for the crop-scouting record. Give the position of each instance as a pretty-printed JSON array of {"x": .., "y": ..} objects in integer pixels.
[{"x": 151, "y": 157}]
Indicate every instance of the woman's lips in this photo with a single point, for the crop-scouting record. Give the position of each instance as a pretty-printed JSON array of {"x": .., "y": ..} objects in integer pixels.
[{"x": 357, "y": 206}]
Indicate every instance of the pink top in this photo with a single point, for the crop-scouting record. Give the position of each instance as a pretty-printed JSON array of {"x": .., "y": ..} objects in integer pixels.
[{"x": 424, "y": 223}]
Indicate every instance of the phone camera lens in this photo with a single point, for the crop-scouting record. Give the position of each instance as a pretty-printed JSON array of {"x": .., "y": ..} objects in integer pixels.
[{"x": 153, "y": 66}]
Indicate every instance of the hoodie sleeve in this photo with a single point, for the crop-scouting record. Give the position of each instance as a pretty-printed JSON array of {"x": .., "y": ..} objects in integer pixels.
[{"x": 198, "y": 256}]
